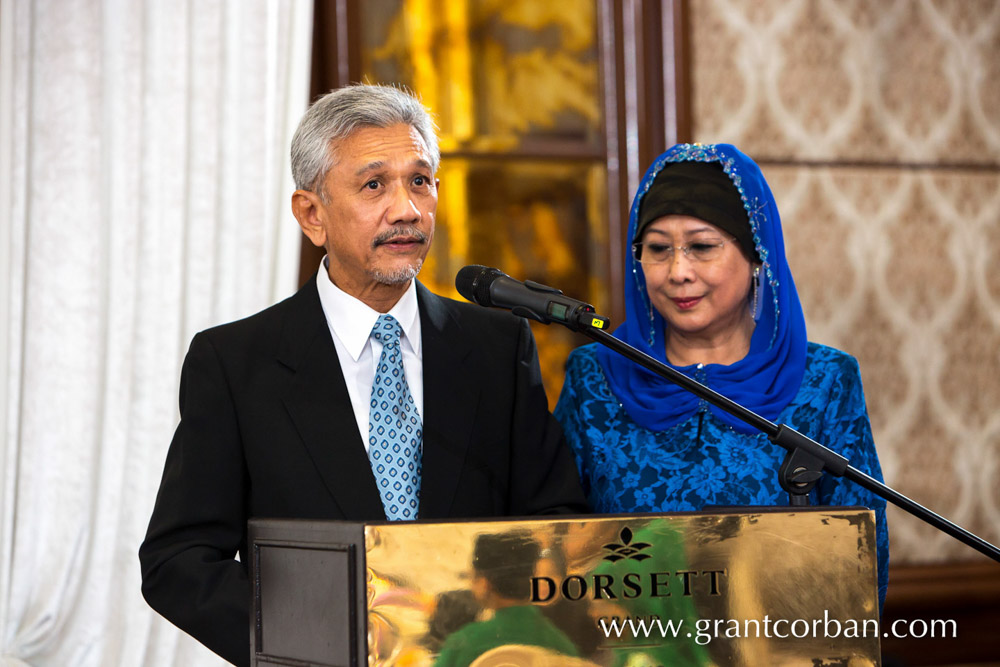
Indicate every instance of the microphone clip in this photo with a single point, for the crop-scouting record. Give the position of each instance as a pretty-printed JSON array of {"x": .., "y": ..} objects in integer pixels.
[{"x": 574, "y": 314}]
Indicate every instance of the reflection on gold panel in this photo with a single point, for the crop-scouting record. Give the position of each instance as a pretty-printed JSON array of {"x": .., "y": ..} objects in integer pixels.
[{"x": 764, "y": 588}]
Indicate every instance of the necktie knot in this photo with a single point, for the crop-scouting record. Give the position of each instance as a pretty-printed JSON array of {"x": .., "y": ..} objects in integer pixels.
[{"x": 387, "y": 330}]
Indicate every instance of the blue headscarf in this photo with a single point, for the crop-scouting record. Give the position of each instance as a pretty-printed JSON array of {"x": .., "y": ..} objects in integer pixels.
[{"x": 764, "y": 381}]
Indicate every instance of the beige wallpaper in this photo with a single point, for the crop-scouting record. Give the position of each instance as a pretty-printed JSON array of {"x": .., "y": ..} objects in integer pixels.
[
  {"x": 906, "y": 80},
  {"x": 877, "y": 124}
]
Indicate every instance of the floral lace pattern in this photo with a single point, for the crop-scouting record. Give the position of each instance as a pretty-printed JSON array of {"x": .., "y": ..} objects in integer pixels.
[{"x": 702, "y": 461}]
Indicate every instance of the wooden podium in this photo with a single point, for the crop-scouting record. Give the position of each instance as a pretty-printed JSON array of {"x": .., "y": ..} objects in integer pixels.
[{"x": 753, "y": 586}]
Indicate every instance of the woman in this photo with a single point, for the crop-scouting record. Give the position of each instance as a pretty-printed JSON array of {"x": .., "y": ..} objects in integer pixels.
[{"x": 708, "y": 291}]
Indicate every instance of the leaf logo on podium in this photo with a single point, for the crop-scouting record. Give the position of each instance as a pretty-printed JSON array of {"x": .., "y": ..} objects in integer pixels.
[{"x": 627, "y": 548}]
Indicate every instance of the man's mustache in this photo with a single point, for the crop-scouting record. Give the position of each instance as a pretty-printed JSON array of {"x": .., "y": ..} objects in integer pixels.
[{"x": 408, "y": 232}]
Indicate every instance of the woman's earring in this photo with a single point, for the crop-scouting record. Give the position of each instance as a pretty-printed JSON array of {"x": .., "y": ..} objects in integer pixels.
[{"x": 757, "y": 306}]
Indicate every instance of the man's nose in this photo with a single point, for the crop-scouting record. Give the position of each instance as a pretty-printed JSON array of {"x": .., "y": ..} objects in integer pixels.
[{"x": 402, "y": 209}]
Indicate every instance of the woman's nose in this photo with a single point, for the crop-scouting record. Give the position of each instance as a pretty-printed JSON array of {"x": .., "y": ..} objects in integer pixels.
[{"x": 681, "y": 266}]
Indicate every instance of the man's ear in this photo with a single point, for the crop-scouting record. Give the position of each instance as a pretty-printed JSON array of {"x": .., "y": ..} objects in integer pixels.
[{"x": 307, "y": 210}]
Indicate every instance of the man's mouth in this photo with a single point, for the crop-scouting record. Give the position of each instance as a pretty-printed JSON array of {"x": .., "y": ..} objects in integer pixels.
[{"x": 401, "y": 239}]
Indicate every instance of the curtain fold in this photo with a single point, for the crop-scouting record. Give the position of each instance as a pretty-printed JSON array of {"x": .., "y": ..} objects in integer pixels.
[{"x": 144, "y": 189}]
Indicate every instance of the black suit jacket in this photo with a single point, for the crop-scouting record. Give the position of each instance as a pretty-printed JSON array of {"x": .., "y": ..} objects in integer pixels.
[{"x": 267, "y": 430}]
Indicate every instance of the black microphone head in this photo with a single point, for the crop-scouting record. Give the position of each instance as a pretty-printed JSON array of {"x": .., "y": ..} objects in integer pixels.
[{"x": 473, "y": 282}]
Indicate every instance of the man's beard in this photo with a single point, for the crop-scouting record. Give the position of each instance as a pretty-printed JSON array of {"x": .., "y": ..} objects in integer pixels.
[{"x": 397, "y": 276}]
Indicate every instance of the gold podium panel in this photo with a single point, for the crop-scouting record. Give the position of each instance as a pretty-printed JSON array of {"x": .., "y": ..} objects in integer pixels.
[{"x": 743, "y": 587}]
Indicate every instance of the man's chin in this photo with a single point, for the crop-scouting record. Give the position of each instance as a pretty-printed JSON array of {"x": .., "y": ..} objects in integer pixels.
[{"x": 398, "y": 275}]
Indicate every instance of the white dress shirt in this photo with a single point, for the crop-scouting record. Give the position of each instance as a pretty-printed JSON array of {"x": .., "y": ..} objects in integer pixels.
[{"x": 351, "y": 321}]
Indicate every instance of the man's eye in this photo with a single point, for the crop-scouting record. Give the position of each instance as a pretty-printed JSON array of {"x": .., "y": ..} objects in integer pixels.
[
  {"x": 372, "y": 185},
  {"x": 419, "y": 180}
]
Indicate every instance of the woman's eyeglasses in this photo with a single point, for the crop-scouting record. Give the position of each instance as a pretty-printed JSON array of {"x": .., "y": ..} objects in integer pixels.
[{"x": 651, "y": 252}]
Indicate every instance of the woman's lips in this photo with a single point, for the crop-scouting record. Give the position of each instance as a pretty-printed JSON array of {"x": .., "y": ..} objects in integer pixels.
[{"x": 686, "y": 303}]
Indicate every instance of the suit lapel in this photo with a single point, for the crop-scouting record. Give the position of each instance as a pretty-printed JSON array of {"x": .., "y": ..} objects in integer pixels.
[
  {"x": 450, "y": 399},
  {"x": 319, "y": 405}
]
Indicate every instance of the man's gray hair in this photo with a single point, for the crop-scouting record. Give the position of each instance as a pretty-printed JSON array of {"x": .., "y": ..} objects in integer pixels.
[{"x": 340, "y": 112}]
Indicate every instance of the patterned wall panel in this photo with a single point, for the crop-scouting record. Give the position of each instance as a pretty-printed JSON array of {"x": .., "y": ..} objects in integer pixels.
[
  {"x": 906, "y": 80},
  {"x": 897, "y": 262}
]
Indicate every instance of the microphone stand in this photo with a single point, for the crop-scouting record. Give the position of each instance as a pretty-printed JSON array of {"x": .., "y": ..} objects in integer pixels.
[{"x": 806, "y": 459}]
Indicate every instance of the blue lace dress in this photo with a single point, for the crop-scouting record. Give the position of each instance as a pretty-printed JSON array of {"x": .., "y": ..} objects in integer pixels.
[{"x": 702, "y": 461}]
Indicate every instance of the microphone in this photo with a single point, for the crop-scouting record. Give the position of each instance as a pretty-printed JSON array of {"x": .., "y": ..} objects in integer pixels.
[{"x": 493, "y": 288}]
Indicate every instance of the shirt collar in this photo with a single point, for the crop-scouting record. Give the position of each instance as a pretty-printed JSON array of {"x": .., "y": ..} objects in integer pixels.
[{"x": 352, "y": 320}]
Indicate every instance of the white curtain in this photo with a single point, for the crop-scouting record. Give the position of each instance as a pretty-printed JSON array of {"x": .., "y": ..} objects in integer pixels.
[{"x": 144, "y": 193}]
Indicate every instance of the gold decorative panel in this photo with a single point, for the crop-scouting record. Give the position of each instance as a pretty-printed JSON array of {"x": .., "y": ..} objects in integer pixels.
[
  {"x": 498, "y": 74},
  {"x": 895, "y": 262},
  {"x": 640, "y": 590},
  {"x": 538, "y": 221},
  {"x": 708, "y": 583},
  {"x": 514, "y": 88}
]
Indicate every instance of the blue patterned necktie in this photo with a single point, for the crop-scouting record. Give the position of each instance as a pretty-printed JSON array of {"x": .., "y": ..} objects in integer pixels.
[{"x": 395, "y": 433}]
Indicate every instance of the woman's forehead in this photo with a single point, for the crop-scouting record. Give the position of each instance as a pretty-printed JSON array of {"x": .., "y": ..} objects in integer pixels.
[{"x": 681, "y": 224}]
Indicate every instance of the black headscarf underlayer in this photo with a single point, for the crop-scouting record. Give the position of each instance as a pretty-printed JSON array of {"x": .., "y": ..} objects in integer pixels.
[{"x": 701, "y": 190}]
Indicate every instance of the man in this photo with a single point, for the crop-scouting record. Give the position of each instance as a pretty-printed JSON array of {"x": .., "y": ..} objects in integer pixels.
[
  {"x": 361, "y": 397},
  {"x": 503, "y": 565}
]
